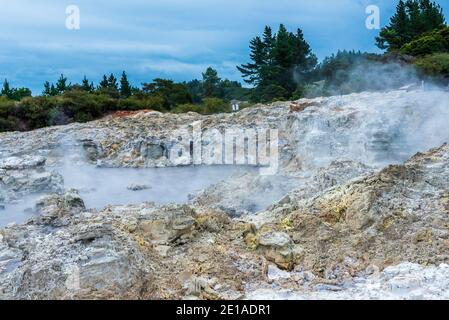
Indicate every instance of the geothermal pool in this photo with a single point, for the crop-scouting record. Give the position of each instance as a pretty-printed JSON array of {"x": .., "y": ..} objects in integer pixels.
[{"x": 100, "y": 187}]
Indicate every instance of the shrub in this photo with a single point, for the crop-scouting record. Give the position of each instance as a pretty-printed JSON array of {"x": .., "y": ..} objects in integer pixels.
[
  {"x": 209, "y": 106},
  {"x": 139, "y": 103},
  {"x": 7, "y": 125},
  {"x": 183, "y": 108},
  {"x": 215, "y": 105},
  {"x": 436, "y": 65},
  {"x": 434, "y": 42}
]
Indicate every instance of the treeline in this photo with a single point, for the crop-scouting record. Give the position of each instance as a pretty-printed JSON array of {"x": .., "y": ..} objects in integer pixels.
[
  {"x": 63, "y": 102},
  {"x": 282, "y": 67}
]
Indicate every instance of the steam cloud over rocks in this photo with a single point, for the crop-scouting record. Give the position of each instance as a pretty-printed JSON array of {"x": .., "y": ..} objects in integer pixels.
[{"x": 351, "y": 204}]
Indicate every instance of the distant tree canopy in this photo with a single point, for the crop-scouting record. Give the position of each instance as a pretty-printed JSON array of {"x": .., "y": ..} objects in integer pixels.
[
  {"x": 412, "y": 19},
  {"x": 212, "y": 86},
  {"x": 280, "y": 63},
  {"x": 86, "y": 85},
  {"x": 170, "y": 92},
  {"x": 63, "y": 102},
  {"x": 14, "y": 93},
  {"x": 334, "y": 67}
]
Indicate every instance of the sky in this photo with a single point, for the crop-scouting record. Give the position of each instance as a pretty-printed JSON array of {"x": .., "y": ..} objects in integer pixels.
[{"x": 175, "y": 39}]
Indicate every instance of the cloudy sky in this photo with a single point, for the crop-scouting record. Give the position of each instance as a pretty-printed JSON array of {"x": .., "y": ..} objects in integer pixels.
[{"x": 175, "y": 39}]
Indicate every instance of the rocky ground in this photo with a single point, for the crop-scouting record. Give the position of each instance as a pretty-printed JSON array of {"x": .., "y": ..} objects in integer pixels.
[{"x": 359, "y": 213}]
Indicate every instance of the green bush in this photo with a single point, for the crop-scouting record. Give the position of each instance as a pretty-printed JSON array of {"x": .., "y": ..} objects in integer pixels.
[
  {"x": 8, "y": 125},
  {"x": 436, "y": 65},
  {"x": 183, "y": 108},
  {"x": 20, "y": 93},
  {"x": 34, "y": 111},
  {"x": 140, "y": 103},
  {"x": 209, "y": 106},
  {"x": 6, "y": 107},
  {"x": 434, "y": 42},
  {"x": 215, "y": 105},
  {"x": 7, "y": 120}
]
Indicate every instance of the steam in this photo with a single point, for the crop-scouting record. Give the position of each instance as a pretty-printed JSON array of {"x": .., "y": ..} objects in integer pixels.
[
  {"x": 368, "y": 75},
  {"x": 100, "y": 187},
  {"x": 375, "y": 76},
  {"x": 373, "y": 128}
]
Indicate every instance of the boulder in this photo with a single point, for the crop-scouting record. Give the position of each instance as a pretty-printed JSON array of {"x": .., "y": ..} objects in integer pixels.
[
  {"x": 168, "y": 224},
  {"x": 279, "y": 249},
  {"x": 56, "y": 206}
]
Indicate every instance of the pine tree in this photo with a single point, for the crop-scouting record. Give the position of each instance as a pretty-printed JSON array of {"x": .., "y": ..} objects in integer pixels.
[
  {"x": 125, "y": 88},
  {"x": 53, "y": 90},
  {"x": 61, "y": 84},
  {"x": 277, "y": 60},
  {"x": 412, "y": 19},
  {"x": 211, "y": 82},
  {"x": 112, "y": 82},
  {"x": 269, "y": 41},
  {"x": 304, "y": 59},
  {"x": 104, "y": 84},
  {"x": 266, "y": 67},
  {"x": 432, "y": 14},
  {"x": 252, "y": 72},
  {"x": 47, "y": 89},
  {"x": 417, "y": 23},
  {"x": 283, "y": 56},
  {"x": 6, "y": 90},
  {"x": 86, "y": 85}
]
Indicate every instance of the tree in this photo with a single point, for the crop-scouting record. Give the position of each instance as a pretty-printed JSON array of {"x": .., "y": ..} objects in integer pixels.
[
  {"x": 125, "y": 88},
  {"x": 195, "y": 88},
  {"x": 18, "y": 94},
  {"x": 47, "y": 89},
  {"x": 412, "y": 19},
  {"x": 109, "y": 86},
  {"x": 211, "y": 82},
  {"x": 429, "y": 43},
  {"x": 104, "y": 84},
  {"x": 171, "y": 93},
  {"x": 53, "y": 90},
  {"x": 61, "y": 84},
  {"x": 86, "y": 85},
  {"x": 112, "y": 82},
  {"x": 279, "y": 61},
  {"x": 305, "y": 61},
  {"x": 6, "y": 90},
  {"x": 14, "y": 93},
  {"x": 232, "y": 90},
  {"x": 252, "y": 72}
]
